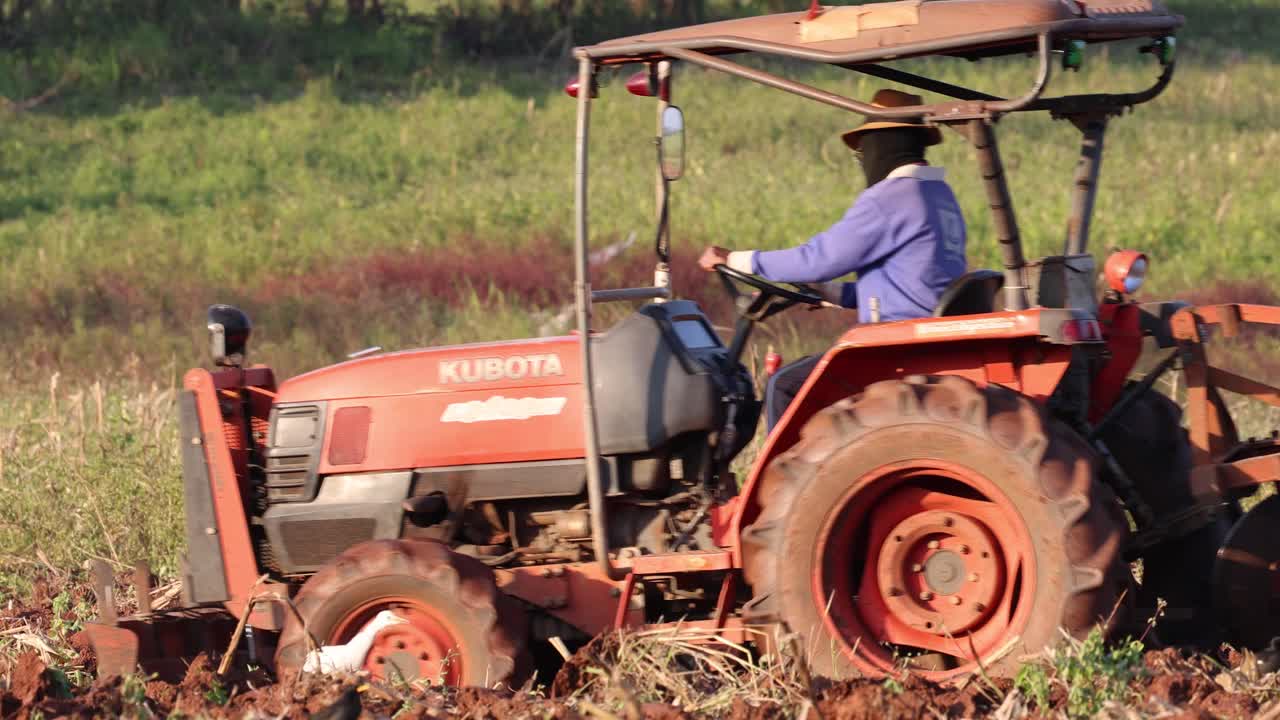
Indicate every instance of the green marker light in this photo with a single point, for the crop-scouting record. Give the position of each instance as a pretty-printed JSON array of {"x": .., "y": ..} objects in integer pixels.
[
  {"x": 1073, "y": 55},
  {"x": 1166, "y": 49}
]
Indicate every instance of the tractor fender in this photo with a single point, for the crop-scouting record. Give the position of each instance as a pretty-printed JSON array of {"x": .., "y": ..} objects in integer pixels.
[{"x": 1025, "y": 351}]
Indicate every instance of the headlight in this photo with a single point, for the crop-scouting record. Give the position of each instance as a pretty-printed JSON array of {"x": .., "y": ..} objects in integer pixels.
[{"x": 1125, "y": 271}]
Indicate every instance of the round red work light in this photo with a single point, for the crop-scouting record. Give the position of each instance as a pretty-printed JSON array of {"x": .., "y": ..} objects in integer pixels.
[
  {"x": 1125, "y": 271},
  {"x": 638, "y": 84}
]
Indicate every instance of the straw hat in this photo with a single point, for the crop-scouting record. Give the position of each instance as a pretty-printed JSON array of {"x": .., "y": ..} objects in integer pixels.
[{"x": 887, "y": 98}]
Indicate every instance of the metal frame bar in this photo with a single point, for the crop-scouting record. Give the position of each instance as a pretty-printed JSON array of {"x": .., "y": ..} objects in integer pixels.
[
  {"x": 1110, "y": 102},
  {"x": 1093, "y": 131},
  {"x": 1214, "y": 443},
  {"x": 919, "y": 81},
  {"x": 982, "y": 135},
  {"x": 929, "y": 111},
  {"x": 639, "y": 293},
  {"x": 1115, "y": 29},
  {"x": 582, "y": 298}
]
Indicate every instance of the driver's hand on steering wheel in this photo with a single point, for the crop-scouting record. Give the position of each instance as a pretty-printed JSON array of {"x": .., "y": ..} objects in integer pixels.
[{"x": 713, "y": 256}]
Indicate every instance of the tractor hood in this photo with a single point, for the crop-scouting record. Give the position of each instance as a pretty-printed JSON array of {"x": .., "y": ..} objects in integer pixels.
[{"x": 480, "y": 366}]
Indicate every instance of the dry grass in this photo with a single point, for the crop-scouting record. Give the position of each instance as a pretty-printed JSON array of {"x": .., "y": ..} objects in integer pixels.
[
  {"x": 88, "y": 471},
  {"x": 692, "y": 669}
]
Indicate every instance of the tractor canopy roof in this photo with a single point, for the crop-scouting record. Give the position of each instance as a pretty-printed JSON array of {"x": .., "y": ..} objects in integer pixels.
[{"x": 851, "y": 34}]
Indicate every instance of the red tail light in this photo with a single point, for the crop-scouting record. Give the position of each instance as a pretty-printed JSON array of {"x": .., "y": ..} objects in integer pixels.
[
  {"x": 1081, "y": 330},
  {"x": 571, "y": 88},
  {"x": 772, "y": 361}
]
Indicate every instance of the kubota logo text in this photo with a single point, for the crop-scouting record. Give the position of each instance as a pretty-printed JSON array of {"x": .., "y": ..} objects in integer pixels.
[{"x": 489, "y": 369}]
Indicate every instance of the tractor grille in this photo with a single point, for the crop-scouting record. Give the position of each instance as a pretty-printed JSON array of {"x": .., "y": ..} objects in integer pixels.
[
  {"x": 312, "y": 543},
  {"x": 287, "y": 477},
  {"x": 293, "y": 455}
]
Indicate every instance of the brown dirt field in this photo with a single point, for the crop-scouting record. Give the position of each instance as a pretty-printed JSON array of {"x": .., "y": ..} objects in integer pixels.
[{"x": 1175, "y": 685}]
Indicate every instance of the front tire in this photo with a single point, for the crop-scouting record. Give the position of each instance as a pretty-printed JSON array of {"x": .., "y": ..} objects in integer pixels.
[
  {"x": 936, "y": 524},
  {"x": 462, "y": 631}
]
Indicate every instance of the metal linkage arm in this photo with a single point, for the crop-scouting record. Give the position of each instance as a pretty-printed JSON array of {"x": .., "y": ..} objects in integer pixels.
[
  {"x": 1186, "y": 323},
  {"x": 1221, "y": 463}
]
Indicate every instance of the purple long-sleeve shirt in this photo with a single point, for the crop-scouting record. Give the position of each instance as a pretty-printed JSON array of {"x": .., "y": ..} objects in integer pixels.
[{"x": 903, "y": 236}]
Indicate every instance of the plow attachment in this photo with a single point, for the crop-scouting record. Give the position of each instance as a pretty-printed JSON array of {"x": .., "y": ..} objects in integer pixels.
[
  {"x": 161, "y": 642},
  {"x": 1246, "y": 577},
  {"x": 1246, "y": 573}
]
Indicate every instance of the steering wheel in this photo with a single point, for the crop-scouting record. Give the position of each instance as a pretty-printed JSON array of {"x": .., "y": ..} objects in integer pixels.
[{"x": 802, "y": 295}]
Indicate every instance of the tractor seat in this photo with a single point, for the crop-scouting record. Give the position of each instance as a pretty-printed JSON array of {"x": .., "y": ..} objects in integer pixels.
[{"x": 973, "y": 293}]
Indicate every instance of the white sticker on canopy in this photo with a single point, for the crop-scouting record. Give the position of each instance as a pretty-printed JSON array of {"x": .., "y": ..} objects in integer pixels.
[
  {"x": 846, "y": 21},
  {"x": 964, "y": 327},
  {"x": 502, "y": 408}
]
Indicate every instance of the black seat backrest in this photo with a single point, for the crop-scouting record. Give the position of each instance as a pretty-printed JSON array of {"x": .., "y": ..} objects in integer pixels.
[{"x": 973, "y": 293}]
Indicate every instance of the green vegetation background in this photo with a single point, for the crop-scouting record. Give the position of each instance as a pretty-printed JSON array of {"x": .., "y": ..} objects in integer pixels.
[{"x": 409, "y": 183}]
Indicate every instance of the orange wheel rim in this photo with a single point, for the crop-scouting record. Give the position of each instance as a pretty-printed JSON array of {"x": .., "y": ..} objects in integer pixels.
[
  {"x": 927, "y": 563},
  {"x": 424, "y": 648}
]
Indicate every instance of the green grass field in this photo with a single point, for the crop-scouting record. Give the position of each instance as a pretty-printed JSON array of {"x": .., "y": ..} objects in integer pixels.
[
  {"x": 129, "y": 205},
  {"x": 388, "y": 192}
]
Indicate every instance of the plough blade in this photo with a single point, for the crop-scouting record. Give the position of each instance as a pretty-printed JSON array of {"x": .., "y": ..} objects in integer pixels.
[{"x": 163, "y": 642}]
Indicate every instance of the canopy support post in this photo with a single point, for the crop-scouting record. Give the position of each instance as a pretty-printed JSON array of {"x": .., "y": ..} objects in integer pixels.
[
  {"x": 982, "y": 134},
  {"x": 1093, "y": 128},
  {"x": 582, "y": 300}
]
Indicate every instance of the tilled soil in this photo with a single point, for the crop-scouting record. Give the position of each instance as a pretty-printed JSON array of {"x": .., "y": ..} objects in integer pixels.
[
  {"x": 1175, "y": 685},
  {"x": 1176, "y": 688}
]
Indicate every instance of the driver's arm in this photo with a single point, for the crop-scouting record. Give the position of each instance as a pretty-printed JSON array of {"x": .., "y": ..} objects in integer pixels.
[{"x": 857, "y": 240}]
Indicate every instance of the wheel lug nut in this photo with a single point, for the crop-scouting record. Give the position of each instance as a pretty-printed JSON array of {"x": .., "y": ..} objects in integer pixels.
[
  {"x": 926, "y": 596},
  {"x": 979, "y": 607},
  {"x": 948, "y": 522},
  {"x": 955, "y": 600},
  {"x": 934, "y": 545},
  {"x": 964, "y": 549},
  {"x": 973, "y": 577},
  {"x": 917, "y": 567}
]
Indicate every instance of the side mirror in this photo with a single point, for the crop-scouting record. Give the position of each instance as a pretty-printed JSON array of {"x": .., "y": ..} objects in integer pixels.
[{"x": 671, "y": 143}]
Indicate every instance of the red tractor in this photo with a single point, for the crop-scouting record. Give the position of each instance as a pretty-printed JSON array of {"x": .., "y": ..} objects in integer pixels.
[{"x": 944, "y": 494}]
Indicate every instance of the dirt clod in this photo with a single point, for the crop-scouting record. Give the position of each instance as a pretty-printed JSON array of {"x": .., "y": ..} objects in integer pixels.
[{"x": 30, "y": 680}]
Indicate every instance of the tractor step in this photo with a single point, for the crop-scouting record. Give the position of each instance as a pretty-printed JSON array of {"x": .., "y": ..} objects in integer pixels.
[{"x": 163, "y": 643}]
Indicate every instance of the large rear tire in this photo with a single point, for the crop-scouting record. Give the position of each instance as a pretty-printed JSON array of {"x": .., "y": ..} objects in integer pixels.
[
  {"x": 462, "y": 631},
  {"x": 935, "y": 524}
]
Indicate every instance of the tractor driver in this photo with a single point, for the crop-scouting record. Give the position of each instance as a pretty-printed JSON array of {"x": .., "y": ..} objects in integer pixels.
[{"x": 904, "y": 236}]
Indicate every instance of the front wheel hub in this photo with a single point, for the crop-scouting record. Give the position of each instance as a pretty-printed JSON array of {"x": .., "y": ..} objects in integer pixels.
[
  {"x": 423, "y": 648},
  {"x": 940, "y": 572}
]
